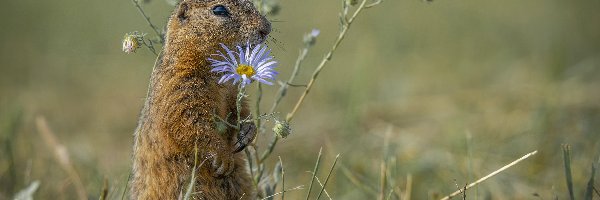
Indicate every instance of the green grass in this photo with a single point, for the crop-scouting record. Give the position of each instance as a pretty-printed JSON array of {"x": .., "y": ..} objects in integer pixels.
[{"x": 409, "y": 83}]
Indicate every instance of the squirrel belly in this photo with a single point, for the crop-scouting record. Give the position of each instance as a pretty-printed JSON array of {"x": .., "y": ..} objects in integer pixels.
[{"x": 177, "y": 122}]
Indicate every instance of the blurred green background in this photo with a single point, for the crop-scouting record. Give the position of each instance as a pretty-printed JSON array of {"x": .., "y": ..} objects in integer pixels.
[{"x": 443, "y": 92}]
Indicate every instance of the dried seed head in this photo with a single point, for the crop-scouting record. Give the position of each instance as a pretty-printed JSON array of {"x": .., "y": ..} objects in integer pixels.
[
  {"x": 130, "y": 43},
  {"x": 282, "y": 129}
]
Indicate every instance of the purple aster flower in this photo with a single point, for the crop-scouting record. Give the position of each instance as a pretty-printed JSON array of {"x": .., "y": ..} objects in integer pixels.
[{"x": 247, "y": 64}]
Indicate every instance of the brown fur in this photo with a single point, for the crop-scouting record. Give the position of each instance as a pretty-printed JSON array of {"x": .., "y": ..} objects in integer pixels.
[{"x": 183, "y": 97}]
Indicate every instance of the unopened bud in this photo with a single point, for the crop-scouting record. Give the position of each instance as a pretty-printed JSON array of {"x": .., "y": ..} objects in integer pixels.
[
  {"x": 311, "y": 38},
  {"x": 352, "y": 2}
]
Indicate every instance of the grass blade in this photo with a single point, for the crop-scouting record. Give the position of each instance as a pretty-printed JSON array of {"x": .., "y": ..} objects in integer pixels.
[
  {"x": 589, "y": 190},
  {"x": 104, "y": 192},
  {"x": 489, "y": 175},
  {"x": 327, "y": 179},
  {"x": 126, "y": 186},
  {"x": 569, "y": 177},
  {"x": 282, "y": 180},
  {"x": 312, "y": 180}
]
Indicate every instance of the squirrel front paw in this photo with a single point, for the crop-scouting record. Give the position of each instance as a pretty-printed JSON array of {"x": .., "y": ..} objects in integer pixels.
[
  {"x": 246, "y": 135},
  {"x": 222, "y": 164}
]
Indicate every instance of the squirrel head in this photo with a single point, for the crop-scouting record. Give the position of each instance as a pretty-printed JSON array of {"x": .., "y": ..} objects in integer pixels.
[{"x": 205, "y": 24}]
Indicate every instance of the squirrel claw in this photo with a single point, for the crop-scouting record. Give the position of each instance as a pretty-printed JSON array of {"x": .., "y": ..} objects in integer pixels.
[{"x": 246, "y": 135}]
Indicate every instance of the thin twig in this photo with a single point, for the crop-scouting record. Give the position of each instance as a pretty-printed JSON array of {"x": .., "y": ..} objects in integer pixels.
[
  {"x": 280, "y": 94},
  {"x": 284, "y": 87},
  {"x": 321, "y": 184},
  {"x": 284, "y": 191},
  {"x": 150, "y": 46},
  {"x": 61, "y": 154},
  {"x": 249, "y": 156},
  {"x": 258, "y": 124},
  {"x": 374, "y": 4},
  {"x": 296, "y": 85},
  {"x": 490, "y": 175},
  {"x": 156, "y": 30},
  {"x": 225, "y": 120},
  {"x": 303, "y": 53},
  {"x": 327, "y": 58},
  {"x": 282, "y": 179}
]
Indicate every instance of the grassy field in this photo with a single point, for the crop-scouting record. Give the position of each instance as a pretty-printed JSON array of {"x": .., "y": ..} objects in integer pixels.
[{"x": 442, "y": 93}]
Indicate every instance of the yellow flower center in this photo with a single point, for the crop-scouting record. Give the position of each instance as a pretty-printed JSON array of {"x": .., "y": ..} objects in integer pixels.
[{"x": 245, "y": 70}]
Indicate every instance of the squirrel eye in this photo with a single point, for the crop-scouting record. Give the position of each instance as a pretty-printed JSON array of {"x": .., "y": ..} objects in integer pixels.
[{"x": 220, "y": 10}]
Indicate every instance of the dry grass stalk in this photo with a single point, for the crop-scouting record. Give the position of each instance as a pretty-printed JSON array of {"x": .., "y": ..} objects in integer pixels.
[
  {"x": 315, "y": 170},
  {"x": 489, "y": 175},
  {"x": 327, "y": 179},
  {"x": 382, "y": 181},
  {"x": 568, "y": 175},
  {"x": 408, "y": 191},
  {"x": 300, "y": 187},
  {"x": 61, "y": 155},
  {"x": 104, "y": 193}
]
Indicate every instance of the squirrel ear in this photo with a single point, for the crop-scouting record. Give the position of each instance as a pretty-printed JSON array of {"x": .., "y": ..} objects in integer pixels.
[{"x": 182, "y": 12}]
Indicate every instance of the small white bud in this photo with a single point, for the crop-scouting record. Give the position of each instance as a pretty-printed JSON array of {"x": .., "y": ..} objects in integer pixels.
[{"x": 311, "y": 38}]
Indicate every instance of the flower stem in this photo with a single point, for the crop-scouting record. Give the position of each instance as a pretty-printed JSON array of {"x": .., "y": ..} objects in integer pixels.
[
  {"x": 150, "y": 46},
  {"x": 156, "y": 30},
  {"x": 328, "y": 56},
  {"x": 238, "y": 105},
  {"x": 257, "y": 110},
  {"x": 284, "y": 87}
]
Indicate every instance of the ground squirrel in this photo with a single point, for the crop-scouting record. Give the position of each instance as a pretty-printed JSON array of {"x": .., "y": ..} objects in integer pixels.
[{"x": 183, "y": 99}]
